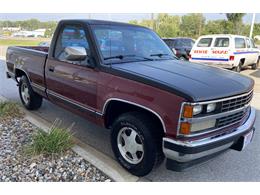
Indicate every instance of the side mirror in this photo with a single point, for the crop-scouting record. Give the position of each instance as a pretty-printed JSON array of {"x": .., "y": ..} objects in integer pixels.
[{"x": 75, "y": 53}]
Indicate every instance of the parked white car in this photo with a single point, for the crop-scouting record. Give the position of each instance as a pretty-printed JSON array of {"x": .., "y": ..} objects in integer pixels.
[{"x": 226, "y": 51}]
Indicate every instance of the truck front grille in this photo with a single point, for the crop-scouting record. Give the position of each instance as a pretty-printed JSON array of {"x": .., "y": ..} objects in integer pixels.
[
  {"x": 236, "y": 103},
  {"x": 230, "y": 119}
]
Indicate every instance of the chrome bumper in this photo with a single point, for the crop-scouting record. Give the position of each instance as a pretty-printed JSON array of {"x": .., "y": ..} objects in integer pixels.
[{"x": 186, "y": 151}]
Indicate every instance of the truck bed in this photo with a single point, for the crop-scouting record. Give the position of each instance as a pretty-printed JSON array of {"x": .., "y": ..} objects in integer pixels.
[{"x": 29, "y": 59}]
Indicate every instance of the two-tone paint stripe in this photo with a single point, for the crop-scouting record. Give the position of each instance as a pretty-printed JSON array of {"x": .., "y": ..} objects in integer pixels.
[
  {"x": 245, "y": 52},
  {"x": 72, "y": 102},
  {"x": 211, "y": 59}
]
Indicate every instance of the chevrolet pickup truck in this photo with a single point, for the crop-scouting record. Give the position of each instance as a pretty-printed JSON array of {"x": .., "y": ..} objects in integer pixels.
[{"x": 125, "y": 78}]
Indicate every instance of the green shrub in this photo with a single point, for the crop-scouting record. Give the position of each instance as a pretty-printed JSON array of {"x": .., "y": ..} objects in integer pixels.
[
  {"x": 55, "y": 142},
  {"x": 9, "y": 109}
]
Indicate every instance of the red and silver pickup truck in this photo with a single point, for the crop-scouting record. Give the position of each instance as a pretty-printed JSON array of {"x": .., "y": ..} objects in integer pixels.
[{"x": 125, "y": 78}]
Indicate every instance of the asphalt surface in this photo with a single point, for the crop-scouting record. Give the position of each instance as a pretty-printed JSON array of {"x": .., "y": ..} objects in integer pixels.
[{"x": 230, "y": 166}]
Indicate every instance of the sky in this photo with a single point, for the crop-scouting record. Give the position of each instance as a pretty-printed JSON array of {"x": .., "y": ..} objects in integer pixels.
[{"x": 124, "y": 17}]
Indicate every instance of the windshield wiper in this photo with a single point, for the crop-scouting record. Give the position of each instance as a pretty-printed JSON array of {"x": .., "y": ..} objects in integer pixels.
[
  {"x": 118, "y": 57},
  {"x": 125, "y": 56},
  {"x": 163, "y": 54},
  {"x": 160, "y": 54}
]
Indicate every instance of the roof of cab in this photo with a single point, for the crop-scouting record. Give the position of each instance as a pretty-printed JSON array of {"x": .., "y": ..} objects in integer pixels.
[
  {"x": 100, "y": 22},
  {"x": 223, "y": 35},
  {"x": 177, "y": 38}
]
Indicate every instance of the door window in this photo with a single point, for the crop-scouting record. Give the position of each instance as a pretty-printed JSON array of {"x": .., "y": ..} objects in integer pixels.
[
  {"x": 170, "y": 43},
  {"x": 253, "y": 44},
  {"x": 204, "y": 42},
  {"x": 248, "y": 44},
  {"x": 221, "y": 42},
  {"x": 70, "y": 36},
  {"x": 184, "y": 43},
  {"x": 240, "y": 43}
]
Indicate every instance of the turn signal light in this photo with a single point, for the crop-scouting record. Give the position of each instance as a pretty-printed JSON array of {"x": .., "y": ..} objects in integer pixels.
[
  {"x": 188, "y": 111},
  {"x": 185, "y": 128}
]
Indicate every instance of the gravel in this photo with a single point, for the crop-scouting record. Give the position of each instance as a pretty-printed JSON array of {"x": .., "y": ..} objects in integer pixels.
[{"x": 15, "y": 165}]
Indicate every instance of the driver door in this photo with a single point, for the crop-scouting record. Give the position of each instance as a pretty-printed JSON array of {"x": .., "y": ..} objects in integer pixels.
[{"x": 71, "y": 84}]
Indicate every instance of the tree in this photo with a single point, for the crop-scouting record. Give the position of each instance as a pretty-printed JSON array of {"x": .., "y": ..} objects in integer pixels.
[
  {"x": 236, "y": 20},
  {"x": 167, "y": 26},
  {"x": 218, "y": 27},
  {"x": 192, "y": 25}
]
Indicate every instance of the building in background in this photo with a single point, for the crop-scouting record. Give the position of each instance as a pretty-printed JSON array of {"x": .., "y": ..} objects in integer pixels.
[
  {"x": 25, "y": 33},
  {"x": 11, "y": 29}
]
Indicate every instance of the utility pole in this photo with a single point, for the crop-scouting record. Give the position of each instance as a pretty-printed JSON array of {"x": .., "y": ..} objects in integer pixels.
[
  {"x": 152, "y": 19},
  {"x": 252, "y": 26}
]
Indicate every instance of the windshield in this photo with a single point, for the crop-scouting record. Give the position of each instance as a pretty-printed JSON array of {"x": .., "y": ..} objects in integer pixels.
[{"x": 130, "y": 43}]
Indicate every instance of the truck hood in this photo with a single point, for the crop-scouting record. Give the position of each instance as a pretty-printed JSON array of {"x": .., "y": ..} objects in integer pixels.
[{"x": 195, "y": 82}]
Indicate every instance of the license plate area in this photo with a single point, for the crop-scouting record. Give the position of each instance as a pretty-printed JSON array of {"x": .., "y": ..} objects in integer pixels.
[
  {"x": 247, "y": 139},
  {"x": 243, "y": 141}
]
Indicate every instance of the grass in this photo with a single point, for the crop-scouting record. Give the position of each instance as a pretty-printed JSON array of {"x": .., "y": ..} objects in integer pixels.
[
  {"x": 55, "y": 142},
  {"x": 19, "y": 42},
  {"x": 9, "y": 109}
]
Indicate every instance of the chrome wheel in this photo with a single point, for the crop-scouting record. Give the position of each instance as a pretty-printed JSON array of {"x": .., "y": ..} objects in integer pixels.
[
  {"x": 25, "y": 93},
  {"x": 130, "y": 145}
]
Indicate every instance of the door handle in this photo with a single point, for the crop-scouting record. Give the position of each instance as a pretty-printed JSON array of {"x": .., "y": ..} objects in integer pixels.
[{"x": 51, "y": 68}]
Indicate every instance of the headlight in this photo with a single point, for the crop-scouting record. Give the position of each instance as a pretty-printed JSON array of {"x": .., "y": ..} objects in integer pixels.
[
  {"x": 189, "y": 111},
  {"x": 211, "y": 107},
  {"x": 197, "y": 109}
]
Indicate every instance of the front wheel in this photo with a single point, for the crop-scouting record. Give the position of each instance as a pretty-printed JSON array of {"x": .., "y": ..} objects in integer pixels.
[
  {"x": 30, "y": 99},
  {"x": 182, "y": 58},
  {"x": 238, "y": 67},
  {"x": 136, "y": 143}
]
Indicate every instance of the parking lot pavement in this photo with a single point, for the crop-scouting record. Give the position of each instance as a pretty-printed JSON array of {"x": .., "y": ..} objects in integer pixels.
[
  {"x": 254, "y": 74},
  {"x": 230, "y": 166}
]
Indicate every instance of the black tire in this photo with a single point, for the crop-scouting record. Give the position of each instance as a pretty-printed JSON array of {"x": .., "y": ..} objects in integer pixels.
[
  {"x": 256, "y": 65},
  {"x": 238, "y": 68},
  {"x": 150, "y": 136},
  {"x": 34, "y": 100},
  {"x": 182, "y": 58}
]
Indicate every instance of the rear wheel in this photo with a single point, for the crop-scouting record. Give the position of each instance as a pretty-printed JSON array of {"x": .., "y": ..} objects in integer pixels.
[
  {"x": 136, "y": 143},
  {"x": 256, "y": 65},
  {"x": 30, "y": 99}
]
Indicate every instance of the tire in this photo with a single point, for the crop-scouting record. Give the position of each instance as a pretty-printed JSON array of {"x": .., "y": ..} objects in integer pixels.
[
  {"x": 182, "y": 58},
  {"x": 238, "y": 68},
  {"x": 30, "y": 99},
  {"x": 146, "y": 137},
  {"x": 256, "y": 65}
]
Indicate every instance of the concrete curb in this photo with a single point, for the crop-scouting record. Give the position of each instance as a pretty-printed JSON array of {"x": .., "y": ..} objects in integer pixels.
[{"x": 103, "y": 162}]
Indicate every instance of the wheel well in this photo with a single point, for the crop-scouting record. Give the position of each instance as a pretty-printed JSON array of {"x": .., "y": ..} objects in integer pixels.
[
  {"x": 115, "y": 108},
  {"x": 242, "y": 61},
  {"x": 19, "y": 73}
]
